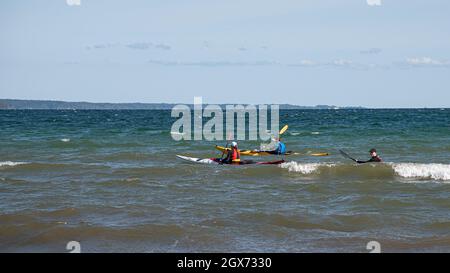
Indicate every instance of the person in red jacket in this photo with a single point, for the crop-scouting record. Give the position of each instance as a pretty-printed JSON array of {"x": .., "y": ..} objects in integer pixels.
[{"x": 233, "y": 155}]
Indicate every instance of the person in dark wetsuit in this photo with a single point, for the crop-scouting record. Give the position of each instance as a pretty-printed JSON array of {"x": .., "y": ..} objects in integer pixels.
[{"x": 374, "y": 157}]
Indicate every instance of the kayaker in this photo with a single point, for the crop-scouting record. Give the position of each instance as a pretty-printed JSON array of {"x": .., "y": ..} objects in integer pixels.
[
  {"x": 281, "y": 147},
  {"x": 373, "y": 157},
  {"x": 233, "y": 155}
]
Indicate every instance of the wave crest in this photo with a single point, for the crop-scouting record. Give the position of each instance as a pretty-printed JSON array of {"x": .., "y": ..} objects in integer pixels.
[
  {"x": 304, "y": 168},
  {"x": 11, "y": 163},
  {"x": 434, "y": 171},
  {"x": 416, "y": 170}
]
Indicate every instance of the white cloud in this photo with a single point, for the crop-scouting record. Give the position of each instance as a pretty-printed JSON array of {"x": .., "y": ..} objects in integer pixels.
[
  {"x": 371, "y": 51},
  {"x": 212, "y": 63},
  {"x": 145, "y": 45},
  {"x": 140, "y": 46},
  {"x": 102, "y": 46},
  {"x": 337, "y": 64},
  {"x": 342, "y": 62},
  {"x": 307, "y": 62},
  {"x": 348, "y": 64},
  {"x": 426, "y": 61},
  {"x": 373, "y": 2},
  {"x": 163, "y": 46}
]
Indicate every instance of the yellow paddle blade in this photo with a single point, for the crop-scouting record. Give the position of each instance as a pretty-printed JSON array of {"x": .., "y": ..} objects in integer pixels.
[
  {"x": 283, "y": 129},
  {"x": 312, "y": 154},
  {"x": 320, "y": 154}
]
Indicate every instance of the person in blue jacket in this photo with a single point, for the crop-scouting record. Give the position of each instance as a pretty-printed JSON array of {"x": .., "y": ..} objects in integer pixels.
[{"x": 281, "y": 148}]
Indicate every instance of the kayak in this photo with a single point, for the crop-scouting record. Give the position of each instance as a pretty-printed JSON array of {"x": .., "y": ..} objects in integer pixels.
[
  {"x": 253, "y": 152},
  {"x": 218, "y": 161},
  {"x": 263, "y": 153}
]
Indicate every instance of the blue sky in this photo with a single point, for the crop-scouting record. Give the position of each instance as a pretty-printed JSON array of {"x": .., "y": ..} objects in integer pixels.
[{"x": 345, "y": 53}]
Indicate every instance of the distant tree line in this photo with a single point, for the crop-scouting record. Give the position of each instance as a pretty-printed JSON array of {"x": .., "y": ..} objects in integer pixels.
[{"x": 63, "y": 105}]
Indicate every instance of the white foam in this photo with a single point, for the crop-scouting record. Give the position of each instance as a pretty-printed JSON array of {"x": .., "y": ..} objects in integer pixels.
[
  {"x": 416, "y": 170},
  {"x": 10, "y": 163},
  {"x": 132, "y": 179},
  {"x": 315, "y": 133},
  {"x": 65, "y": 139},
  {"x": 304, "y": 168},
  {"x": 432, "y": 171}
]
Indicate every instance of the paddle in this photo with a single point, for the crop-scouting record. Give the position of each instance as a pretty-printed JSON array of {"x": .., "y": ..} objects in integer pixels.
[
  {"x": 308, "y": 154},
  {"x": 319, "y": 154},
  {"x": 344, "y": 154},
  {"x": 226, "y": 147},
  {"x": 284, "y": 129}
]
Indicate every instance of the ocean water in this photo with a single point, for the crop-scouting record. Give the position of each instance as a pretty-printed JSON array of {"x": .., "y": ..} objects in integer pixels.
[{"x": 111, "y": 181}]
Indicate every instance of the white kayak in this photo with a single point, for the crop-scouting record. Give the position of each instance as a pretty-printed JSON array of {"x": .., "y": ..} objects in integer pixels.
[
  {"x": 218, "y": 161},
  {"x": 198, "y": 160}
]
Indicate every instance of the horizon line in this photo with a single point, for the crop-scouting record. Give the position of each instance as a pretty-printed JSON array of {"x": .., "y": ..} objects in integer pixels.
[{"x": 176, "y": 103}]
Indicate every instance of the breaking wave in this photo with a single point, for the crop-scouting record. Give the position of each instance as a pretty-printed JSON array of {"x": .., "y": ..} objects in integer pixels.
[
  {"x": 10, "y": 163},
  {"x": 304, "y": 168},
  {"x": 433, "y": 171},
  {"x": 416, "y": 170}
]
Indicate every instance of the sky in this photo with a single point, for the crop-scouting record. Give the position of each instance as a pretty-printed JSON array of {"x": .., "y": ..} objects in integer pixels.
[{"x": 371, "y": 53}]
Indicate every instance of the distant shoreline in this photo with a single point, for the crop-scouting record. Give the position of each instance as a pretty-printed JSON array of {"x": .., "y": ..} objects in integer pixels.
[
  {"x": 16, "y": 104},
  {"x": 65, "y": 105}
]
